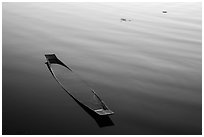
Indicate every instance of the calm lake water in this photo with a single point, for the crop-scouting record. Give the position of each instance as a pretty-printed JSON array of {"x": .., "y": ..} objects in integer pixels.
[{"x": 148, "y": 70}]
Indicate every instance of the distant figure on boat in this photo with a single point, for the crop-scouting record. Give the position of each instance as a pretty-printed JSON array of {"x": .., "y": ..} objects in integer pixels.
[{"x": 123, "y": 19}]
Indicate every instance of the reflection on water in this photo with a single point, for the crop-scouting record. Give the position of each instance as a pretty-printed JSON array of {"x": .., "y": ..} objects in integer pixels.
[{"x": 148, "y": 70}]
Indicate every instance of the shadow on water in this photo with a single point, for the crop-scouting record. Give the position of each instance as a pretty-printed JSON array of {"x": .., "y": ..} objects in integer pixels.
[{"x": 102, "y": 121}]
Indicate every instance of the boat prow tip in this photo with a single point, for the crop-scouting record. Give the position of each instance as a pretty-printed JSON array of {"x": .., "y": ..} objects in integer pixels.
[{"x": 103, "y": 112}]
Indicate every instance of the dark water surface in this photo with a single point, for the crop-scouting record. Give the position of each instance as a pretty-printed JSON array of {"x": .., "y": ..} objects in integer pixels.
[{"x": 148, "y": 71}]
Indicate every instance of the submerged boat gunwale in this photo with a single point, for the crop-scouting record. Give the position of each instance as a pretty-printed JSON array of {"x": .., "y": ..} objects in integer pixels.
[{"x": 52, "y": 59}]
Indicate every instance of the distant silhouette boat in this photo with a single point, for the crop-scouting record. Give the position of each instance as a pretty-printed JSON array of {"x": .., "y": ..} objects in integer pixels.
[
  {"x": 123, "y": 19},
  {"x": 98, "y": 106}
]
